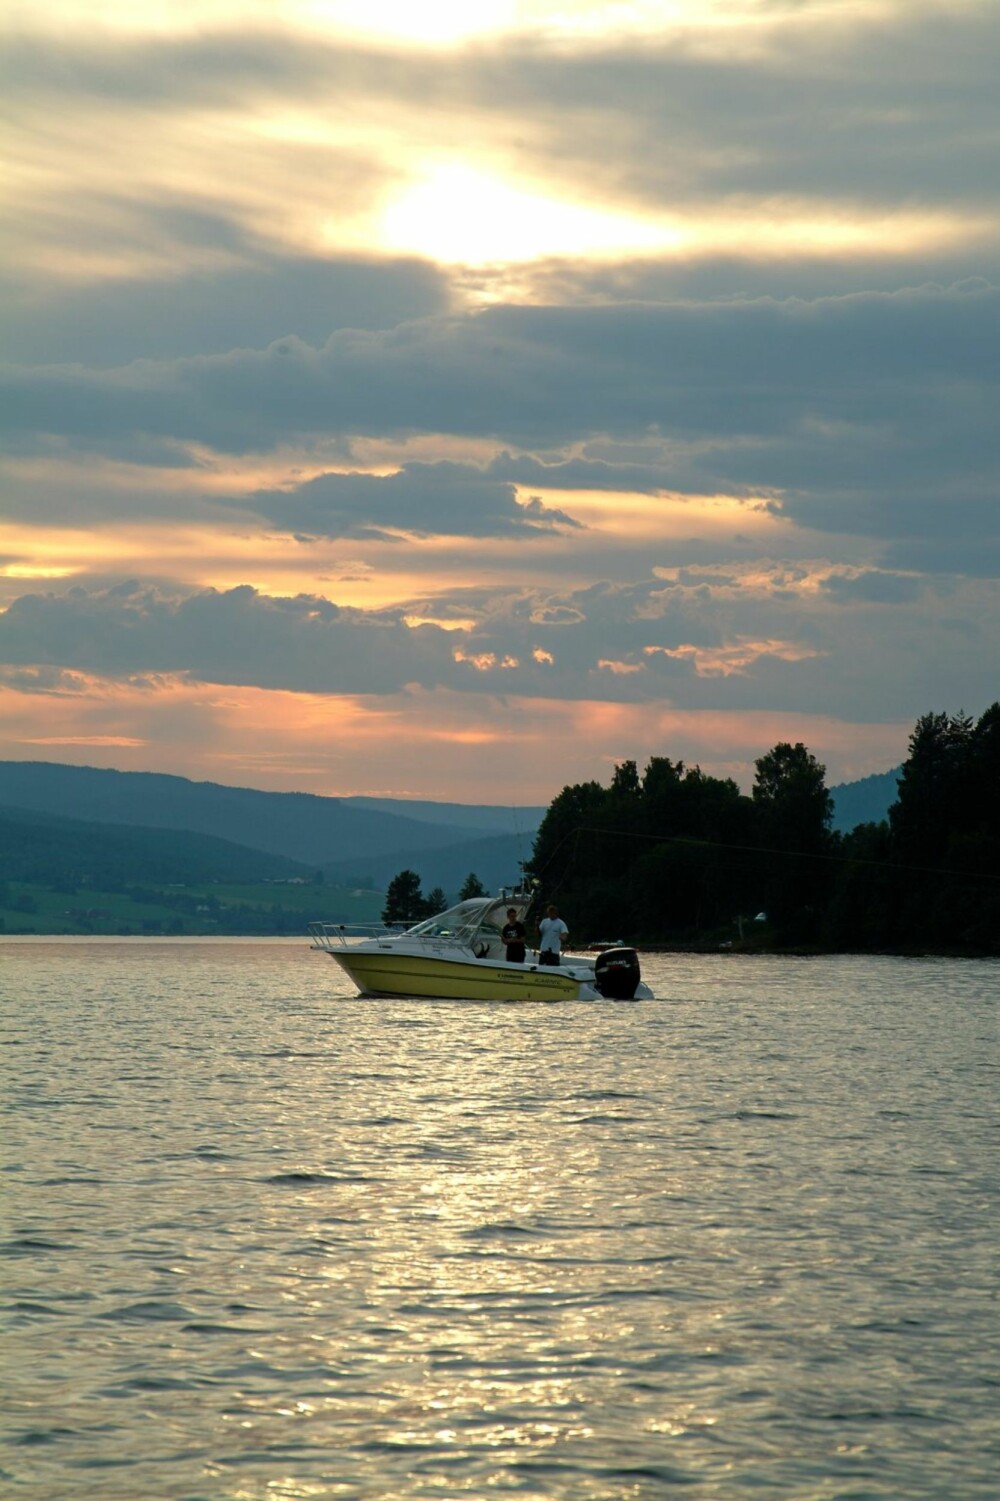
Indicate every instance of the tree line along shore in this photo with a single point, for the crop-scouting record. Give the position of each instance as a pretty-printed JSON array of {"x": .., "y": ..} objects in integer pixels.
[{"x": 675, "y": 858}]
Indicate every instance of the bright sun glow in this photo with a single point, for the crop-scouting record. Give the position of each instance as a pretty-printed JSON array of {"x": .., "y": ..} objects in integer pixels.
[
  {"x": 459, "y": 214},
  {"x": 37, "y": 571},
  {"x": 456, "y": 213}
]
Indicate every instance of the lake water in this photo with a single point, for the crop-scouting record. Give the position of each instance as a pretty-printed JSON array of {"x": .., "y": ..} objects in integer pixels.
[{"x": 263, "y": 1240}]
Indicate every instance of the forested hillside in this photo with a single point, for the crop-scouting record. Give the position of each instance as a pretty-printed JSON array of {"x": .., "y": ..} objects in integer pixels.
[
  {"x": 60, "y": 875},
  {"x": 37, "y": 847},
  {"x": 300, "y": 826}
]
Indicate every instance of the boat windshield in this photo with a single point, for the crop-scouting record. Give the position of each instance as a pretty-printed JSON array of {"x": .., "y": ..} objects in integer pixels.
[{"x": 460, "y": 924}]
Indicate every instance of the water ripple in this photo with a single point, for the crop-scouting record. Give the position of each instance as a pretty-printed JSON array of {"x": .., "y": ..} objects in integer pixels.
[{"x": 265, "y": 1240}]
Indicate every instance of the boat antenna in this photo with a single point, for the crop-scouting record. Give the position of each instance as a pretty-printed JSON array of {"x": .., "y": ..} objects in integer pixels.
[{"x": 519, "y": 836}]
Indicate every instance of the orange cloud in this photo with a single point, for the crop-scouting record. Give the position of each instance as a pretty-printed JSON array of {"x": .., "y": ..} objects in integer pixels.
[
  {"x": 730, "y": 660},
  {"x": 116, "y": 740}
]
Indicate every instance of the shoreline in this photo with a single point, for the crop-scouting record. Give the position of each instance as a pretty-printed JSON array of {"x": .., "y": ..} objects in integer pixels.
[{"x": 726, "y": 950}]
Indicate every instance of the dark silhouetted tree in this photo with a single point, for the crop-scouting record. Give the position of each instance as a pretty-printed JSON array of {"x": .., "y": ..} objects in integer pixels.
[
  {"x": 930, "y": 787},
  {"x": 984, "y": 793},
  {"x": 794, "y": 812},
  {"x": 471, "y": 886},
  {"x": 790, "y": 793},
  {"x": 404, "y": 901},
  {"x": 625, "y": 782},
  {"x": 946, "y": 828}
]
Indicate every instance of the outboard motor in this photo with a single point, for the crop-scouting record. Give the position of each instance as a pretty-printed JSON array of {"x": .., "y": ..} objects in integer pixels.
[{"x": 616, "y": 974}]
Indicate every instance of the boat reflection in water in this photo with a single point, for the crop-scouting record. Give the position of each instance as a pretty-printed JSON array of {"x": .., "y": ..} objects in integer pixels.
[{"x": 460, "y": 955}]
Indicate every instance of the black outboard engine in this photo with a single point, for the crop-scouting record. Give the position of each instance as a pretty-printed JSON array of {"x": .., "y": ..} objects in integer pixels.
[{"x": 616, "y": 974}]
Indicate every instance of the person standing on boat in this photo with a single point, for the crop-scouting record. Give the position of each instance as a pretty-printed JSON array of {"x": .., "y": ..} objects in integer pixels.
[
  {"x": 553, "y": 933},
  {"x": 514, "y": 936}
]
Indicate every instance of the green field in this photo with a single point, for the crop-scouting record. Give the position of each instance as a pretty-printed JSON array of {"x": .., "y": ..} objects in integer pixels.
[{"x": 258, "y": 908}]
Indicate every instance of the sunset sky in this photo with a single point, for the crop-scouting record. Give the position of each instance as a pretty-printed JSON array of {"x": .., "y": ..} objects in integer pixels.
[{"x": 452, "y": 400}]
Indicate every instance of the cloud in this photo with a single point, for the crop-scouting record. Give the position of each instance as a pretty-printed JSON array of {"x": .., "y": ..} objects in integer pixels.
[
  {"x": 545, "y": 376},
  {"x": 873, "y": 586},
  {"x": 255, "y": 297},
  {"x": 864, "y": 413},
  {"x": 706, "y": 638},
  {"x": 838, "y": 102},
  {"x": 235, "y": 636},
  {"x": 746, "y": 273},
  {"x": 448, "y": 500},
  {"x": 975, "y": 553},
  {"x": 584, "y": 473}
]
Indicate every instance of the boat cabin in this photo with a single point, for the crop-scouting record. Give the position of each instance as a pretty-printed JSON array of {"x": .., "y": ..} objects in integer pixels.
[{"x": 475, "y": 924}]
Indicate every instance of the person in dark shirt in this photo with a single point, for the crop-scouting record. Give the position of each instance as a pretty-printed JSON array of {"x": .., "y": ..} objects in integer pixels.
[{"x": 513, "y": 935}]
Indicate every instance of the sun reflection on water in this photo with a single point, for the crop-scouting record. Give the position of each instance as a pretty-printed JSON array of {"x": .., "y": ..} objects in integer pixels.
[{"x": 318, "y": 1247}]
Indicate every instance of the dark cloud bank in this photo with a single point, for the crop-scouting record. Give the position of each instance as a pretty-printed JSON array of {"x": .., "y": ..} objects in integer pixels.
[
  {"x": 870, "y": 413},
  {"x": 863, "y": 653}
]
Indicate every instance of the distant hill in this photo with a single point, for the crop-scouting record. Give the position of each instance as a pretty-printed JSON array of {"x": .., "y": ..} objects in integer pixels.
[
  {"x": 866, "y": 801},
  {"x": 495, "y": 861},
  {"x": 45, "y": 848},
  {"x": 472, "y": 817},
  {"x": 316, "y": 831}
]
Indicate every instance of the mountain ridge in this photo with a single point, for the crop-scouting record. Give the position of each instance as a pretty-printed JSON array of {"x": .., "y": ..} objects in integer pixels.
[
  {"x": 866, "y": 801},
  {"x": 302, "y": 826},
  {"x": 45, "y": 847}
]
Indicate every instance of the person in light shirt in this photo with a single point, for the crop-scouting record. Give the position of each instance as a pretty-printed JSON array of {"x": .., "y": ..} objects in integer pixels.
[{"x": 553, "y": 933}]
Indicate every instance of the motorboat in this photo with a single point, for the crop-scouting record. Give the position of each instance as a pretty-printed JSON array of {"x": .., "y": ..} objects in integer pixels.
[{"x": 460, "y": 955}]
